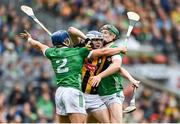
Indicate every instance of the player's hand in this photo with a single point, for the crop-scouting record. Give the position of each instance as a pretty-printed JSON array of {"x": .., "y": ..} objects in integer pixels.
[
  {"x": 25, "y": 35},
  {"x": 123, "y": 49},
  {"x": 87, "y": 40},
  {"x": 95, "y": 80},
  {"x": 90, "y": 45},
  {"x": 135, "y": 83}
]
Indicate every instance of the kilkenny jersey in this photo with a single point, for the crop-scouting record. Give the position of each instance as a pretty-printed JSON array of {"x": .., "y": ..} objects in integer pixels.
[
  {"x": 91, "y": 67},
  {"x": 67, "y": 64},
  {"x": 111, "y": 84}
]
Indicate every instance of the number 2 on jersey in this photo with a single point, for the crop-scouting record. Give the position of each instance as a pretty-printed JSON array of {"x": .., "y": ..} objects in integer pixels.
[{"x": 61, "y": 68}]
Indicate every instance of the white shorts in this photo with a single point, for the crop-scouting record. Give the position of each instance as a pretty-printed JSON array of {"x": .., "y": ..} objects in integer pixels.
[
  {"x": 69, "y": 100},
  {"x": 93, "y": 103},
  {"x": 114, "y": 98}
]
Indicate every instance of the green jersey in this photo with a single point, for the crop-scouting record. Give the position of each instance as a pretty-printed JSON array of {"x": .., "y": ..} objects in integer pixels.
[
  {"x": 111, "y": 84},
  {"x": 67, "y": 64}
]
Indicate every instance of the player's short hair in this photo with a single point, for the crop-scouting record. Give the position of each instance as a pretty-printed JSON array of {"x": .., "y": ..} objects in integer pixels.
[
  {"x": 112, "y": 29},
  {"x": 59, "y": 37},
  {"x": 94, "y": 35}
]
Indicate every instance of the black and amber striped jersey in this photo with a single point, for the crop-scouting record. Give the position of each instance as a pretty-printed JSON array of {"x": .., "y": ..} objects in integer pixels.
[{"x": 91, "y": 67}]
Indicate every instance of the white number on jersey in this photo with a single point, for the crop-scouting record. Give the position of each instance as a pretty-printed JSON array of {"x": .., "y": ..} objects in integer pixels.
[{"x": 61, "y": 68}]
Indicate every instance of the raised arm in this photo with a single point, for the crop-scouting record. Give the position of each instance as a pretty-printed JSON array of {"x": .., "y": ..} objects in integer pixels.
[
  {"x": 114, "y": 67},
  {"x": 76, "y": 35},
  {"x": 76, "y": 32},
  {"x": 128, "y": 76},
  {"x": 34, "y": 43}
]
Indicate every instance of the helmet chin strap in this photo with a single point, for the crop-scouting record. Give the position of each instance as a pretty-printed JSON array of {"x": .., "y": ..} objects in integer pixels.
[
  {"x": 66, "y": 44},
  {"x": 105, "y": 42}
]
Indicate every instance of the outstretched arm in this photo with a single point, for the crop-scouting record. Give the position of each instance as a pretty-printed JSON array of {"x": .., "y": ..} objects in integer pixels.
[
  {"x": 107, "y": 51},
  {"x": 114, "y": 67},
  {"x": 34, "y": 43},
  {"x": 128, "y": 76}
]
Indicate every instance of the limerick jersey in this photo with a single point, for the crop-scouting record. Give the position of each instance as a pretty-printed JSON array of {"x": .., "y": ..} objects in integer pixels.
[
  {"x": 67, "y": 64},
  {"x": 91, "y": 67},
  {"x": 111, "y": 84}
]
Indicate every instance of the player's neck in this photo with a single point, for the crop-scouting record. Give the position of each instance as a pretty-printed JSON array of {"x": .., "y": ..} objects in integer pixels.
[
  {"x": 61, "y": 46},
  {"x": 109, "y": 44}
]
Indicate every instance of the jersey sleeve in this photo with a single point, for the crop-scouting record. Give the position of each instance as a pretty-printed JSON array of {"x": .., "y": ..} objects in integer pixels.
[
  {"x": 47, "y": 52},
  {"x": 116, "y": 57},
  {"x": 114, "y": 46},
  {"x": 84, "y": 52}
]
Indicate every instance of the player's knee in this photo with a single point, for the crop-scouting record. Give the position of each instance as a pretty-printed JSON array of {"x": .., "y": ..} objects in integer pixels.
[{"x": 116, "y": 120}]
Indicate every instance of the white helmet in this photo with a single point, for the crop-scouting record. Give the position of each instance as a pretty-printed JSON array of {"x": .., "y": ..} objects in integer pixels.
[{"x": 94, "y": 35}]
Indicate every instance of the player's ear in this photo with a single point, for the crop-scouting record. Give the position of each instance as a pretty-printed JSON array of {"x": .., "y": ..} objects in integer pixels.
[{"x": 113, "y": 35}]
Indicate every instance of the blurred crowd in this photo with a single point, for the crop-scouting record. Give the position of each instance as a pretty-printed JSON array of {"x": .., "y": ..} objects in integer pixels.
[
  {"x": 154, "y": 106},
  {"x": 33, "y": 104},
  {"x": 27, "y": 82},
  {"x": 159, "y": 24}
]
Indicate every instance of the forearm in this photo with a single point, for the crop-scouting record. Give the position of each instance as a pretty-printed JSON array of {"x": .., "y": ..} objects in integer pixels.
[
  {"x": 105, "y": 52},
  {"x": 111, "y": 51},
  {"x": 76, "y": 32},
  {"x": 113, "y": 68},
  {"x": 35, "y": 44},
  {"x": 126, "y": 74}
]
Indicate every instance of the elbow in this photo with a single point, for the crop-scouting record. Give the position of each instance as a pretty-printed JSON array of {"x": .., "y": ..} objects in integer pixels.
[
  {"x": 121, "y": 70},
  {"x": 117, "y": 67},
  {"x": 70, "y": 30}
]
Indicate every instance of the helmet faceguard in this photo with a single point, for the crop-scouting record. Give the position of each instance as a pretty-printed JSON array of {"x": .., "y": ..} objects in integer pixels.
[{"x": 96, "y": 39}]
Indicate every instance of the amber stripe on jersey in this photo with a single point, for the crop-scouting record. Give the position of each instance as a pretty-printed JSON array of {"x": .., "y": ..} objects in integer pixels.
[{"x": 86, "y": 74}]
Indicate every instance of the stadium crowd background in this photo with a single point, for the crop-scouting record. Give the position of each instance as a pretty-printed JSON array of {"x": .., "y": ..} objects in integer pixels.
[{"x": 27, "y": 83}]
